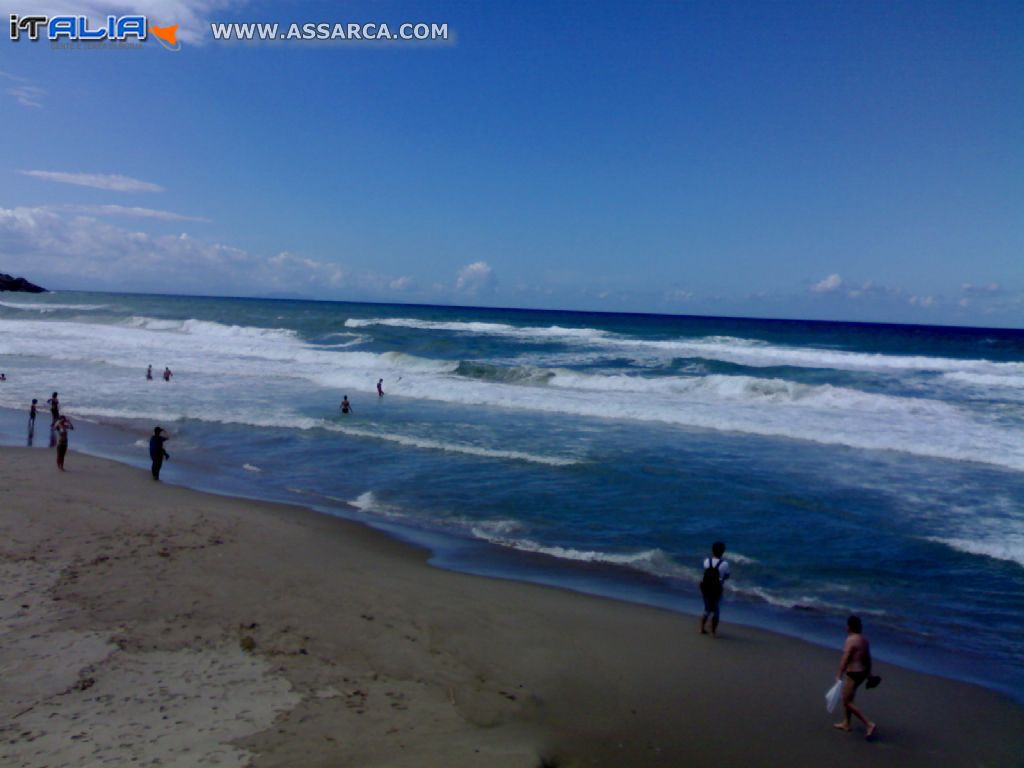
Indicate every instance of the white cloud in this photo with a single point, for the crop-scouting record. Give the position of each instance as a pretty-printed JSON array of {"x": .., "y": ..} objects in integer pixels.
[
  {"x": 475, "y": 278},
  {"x": 401, "y": 283},
  {"x": 192, "y": 16},
  {"x": 679, "y": 295},
  {"x": 828, "y": 284},
  {"x": 131, "y": 212},
  {"x": 89, "y": 252},
  {"x": 981, "y": 291},
  {"x": 24, "y": 92},
  {"x": 109, "y": 182},
  {"x": 922, "y": 301},
  {"x": 27, "y": 95},
  {"x": 289, "y": 263}
]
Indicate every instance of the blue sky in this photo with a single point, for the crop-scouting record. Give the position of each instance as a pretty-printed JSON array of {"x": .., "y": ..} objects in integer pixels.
[{"x": 836, "y": 160}]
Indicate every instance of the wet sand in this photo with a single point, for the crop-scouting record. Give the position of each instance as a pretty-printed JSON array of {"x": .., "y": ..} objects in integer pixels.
[{"x": 147, "y": 624}]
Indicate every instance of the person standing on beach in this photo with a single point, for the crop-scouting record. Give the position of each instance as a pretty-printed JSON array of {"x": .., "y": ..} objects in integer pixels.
[
  {"x": 854, "y": 669},
  {"x": 149, "y": 373},
  {"x": 157, "y": 452},
  {"x": 716, "y": 571},
  {"x": 61, "y": 428},
  {"x": 32, "y": 421},
  {"x": 167, "y": 373},
  {"x": 346, "y": 406},
  {"x": 54, "y": 404},
  {"x": 380, "y": 387}
]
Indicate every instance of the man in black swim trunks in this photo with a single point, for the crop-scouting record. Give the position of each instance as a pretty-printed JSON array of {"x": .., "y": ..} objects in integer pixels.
[{"x": 854, "y": 669}]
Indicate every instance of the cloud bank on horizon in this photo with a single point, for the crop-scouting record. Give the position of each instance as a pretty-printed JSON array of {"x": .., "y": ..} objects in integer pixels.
[{"x": 74, "y": 247}]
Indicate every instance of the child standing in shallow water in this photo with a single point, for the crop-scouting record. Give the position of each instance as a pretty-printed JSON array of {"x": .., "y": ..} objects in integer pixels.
[{"x": 32, "y": 420}]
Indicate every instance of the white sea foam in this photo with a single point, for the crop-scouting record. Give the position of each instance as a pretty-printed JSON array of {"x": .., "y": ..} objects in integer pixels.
[
  {"x": 251, "y": 468},
  {"x": 984, "y": 380},
  {"x": 748, "y": 352},
  {"x": 248, "y": 375},
  {"x": 736, "y": 557},
  {"x": 653, "y": 561},
  {"x": 53, "y": 307},
  {"x": 483, "y": 529},
  {"x": 1009, "y": 548},
  {"x": 798, "y": 602},
  {"x": 441, "y": 445},
  {"x": 750, "y": 390},
  {"x": 354, "y": 340},
  {"x": 761, "y": 354},
  {"x": 368, "y": 502},
  {"x": 527, "y": 333}
]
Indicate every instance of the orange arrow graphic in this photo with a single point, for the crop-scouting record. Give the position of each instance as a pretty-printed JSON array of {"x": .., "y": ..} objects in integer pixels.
[{"x": 169, "y": 34}]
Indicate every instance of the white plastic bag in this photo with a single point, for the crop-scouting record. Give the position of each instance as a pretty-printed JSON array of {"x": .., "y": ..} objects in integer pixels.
[{"x": 833, "y": 695}]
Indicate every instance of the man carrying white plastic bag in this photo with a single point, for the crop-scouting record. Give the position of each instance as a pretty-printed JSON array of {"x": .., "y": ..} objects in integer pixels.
[{"x": 854, "y": 669}]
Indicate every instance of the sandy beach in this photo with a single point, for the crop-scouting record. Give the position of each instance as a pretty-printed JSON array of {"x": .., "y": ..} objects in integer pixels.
[{"x": 147, "y": 624}]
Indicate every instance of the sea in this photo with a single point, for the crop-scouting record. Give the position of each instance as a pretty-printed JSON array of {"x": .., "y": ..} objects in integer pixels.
[{"x": 849, "y": 468}]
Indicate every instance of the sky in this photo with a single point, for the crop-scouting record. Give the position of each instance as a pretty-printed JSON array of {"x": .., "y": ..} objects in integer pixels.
[{"x": 825, "y": 160}]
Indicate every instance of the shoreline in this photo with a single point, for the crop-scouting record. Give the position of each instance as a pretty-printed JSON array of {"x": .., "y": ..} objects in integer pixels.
[
  {"x": 163, "y": 622},
  {"x": 449, "y": 551}
]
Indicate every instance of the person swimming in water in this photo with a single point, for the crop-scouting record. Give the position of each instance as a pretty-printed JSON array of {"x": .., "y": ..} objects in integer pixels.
[
  {"x": 380, "y": 387},
  {"x": 167, "y": 374},
  {"x": 346, "y": 406},
  {"x": 149, "y": 373}
]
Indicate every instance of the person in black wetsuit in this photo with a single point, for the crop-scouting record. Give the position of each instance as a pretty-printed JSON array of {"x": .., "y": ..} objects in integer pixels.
[
  {"x": 32, "y": 421},
  {"x": 157, "y": 452}
]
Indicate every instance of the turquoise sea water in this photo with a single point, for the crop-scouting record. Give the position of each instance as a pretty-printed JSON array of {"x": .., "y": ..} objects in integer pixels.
[{"x": 865, "y": 468}]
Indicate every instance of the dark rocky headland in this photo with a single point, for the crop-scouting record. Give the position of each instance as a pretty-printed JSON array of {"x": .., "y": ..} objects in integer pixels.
[{"x": 20, "y": 284}]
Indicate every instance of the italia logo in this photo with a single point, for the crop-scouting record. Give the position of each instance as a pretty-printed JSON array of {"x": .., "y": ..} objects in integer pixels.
[{"x": 82, "y": 29}]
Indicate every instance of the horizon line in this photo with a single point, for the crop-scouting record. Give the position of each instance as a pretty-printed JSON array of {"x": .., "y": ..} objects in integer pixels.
[{"x": 618, "y": 313}]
